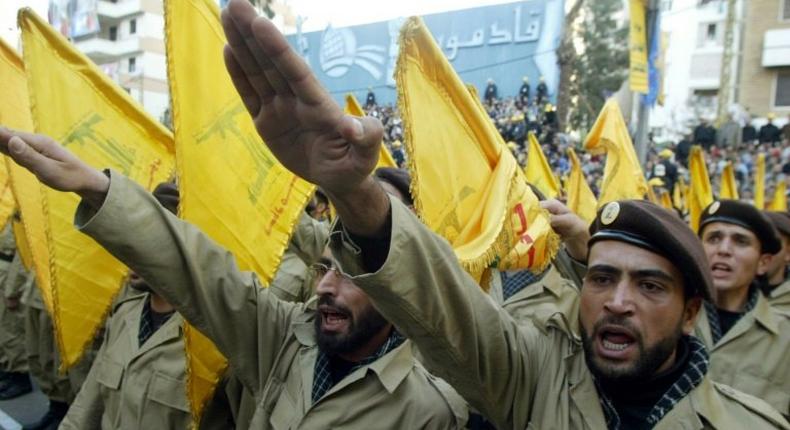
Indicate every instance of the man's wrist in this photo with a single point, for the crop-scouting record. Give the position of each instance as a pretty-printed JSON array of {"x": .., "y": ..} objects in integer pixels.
[
  {"x": 95, "y": 189},
  {"x": 364, "y": 210}
]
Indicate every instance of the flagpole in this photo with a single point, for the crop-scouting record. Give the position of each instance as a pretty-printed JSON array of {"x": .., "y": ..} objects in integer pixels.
[{"x": 643, "y": 117}]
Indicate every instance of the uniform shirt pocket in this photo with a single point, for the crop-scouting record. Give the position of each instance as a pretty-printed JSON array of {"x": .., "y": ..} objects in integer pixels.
[
  {"x": 169, "y": 391},
  {"x": 110, "y": 374}
]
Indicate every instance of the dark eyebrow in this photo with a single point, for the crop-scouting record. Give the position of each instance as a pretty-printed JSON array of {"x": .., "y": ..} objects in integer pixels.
[
  {"x": 653, "y": 273},
  {"x": 605, "y": 268}
]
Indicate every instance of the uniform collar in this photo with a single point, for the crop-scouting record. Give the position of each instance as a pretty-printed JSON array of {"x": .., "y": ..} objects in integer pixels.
[{"x": 764, "y": 315}]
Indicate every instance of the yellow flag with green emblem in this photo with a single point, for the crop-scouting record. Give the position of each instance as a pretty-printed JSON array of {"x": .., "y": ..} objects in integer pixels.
[
  {"x": 467, "y": 185},
  {"x": 538, "y": 171},
  {"x": 729, "y": 187},
  {"x": 700, "y": 193},
  {"x": 231, "y": 186},
  {"x": 581, "y": 199},
  {"x": 759, "y": 182},
  {"x": 80, "y": 107},
  {"x": 15, "y": 113},
  {"x": 622, "y": 176},
  {"x": 779, "y": 202},
  {"x": 354, "y": 108}
]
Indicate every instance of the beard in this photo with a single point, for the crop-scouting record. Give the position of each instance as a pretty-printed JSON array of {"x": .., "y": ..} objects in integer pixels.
[
  {"x": 360, "y": 329},
  {"x": 648, "y": 361}
]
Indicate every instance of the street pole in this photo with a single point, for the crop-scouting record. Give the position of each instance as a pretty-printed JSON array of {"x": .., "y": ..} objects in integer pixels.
[
  {"x": 643, "y": 115},
  {"x": 725, "y": 75}
]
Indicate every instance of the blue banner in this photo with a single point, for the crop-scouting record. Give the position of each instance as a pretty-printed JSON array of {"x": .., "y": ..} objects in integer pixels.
[{"x": 503, "y": 42}]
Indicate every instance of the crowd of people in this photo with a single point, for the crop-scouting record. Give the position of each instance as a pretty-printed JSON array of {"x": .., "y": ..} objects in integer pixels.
[{"x": 371, "y": 322}]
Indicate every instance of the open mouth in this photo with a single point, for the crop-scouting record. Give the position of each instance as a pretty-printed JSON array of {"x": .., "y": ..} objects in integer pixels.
[
  {"x": 720, "y": 269},
  {"x": 614, "y": 341},
  {"x": 332, "y": 318}
]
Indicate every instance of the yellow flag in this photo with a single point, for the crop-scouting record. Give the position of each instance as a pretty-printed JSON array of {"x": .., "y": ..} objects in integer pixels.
[
  {"x": 538, "y": 171},
  {"x": 7, "y": 205},
  {"x": 581, "y": 199},
  {"x": 622, "y": 175},
  {"x": 15, "y": 113},
  {"x": 728, "y": 188},
  {"x": 679, "y": 195},
  {"x": 779, "y": 202},
  {"x": 76, "y": 104},
  {"x": 665, "y": 200},
  {"x": 759, "y": 182},
  {"x": 221, "y": 158},
  {"x": 467, "y": 185},
  {"x": 700, "y": 192},
  {"x": 354, "y": 108},
  {"x": 638, "y": 47},
  {"x": 651, "y": 195}
]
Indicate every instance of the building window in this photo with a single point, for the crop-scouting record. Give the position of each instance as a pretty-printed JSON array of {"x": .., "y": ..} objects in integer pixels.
[
  {"x": 113, "y": 33},
  {"x": 708, "y": 34},
  {"x": 782, "y": 96},
  {"x": 133, "y": 26},
  {"x": 132, "y": 64},
  {"x": 785, "y": 10}
]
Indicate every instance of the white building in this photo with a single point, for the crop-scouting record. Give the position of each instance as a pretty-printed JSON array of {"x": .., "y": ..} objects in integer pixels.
[
  {"x": 130, "y": 48},
  {"x": 695, "y": 30}
]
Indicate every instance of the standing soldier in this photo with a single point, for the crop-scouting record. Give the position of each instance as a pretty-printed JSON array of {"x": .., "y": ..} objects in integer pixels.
[
  {"x": 523, "y": 92},
  {"x": 777, "y": 286},
  {"x": 543, "y": 91},
  {"x": 491, "y": 93},
  {"x": 748, "y": 339},
  {"x": 14, "y": 378}
]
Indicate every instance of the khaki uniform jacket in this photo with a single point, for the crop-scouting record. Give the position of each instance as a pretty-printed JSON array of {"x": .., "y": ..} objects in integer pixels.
[
  {"x": 293, "y": 282},
  {"x": 518, "y": 375},
  {"x": 131, "y": 386},
  {"x": 754, "y": 355},
  {"x": 543, "y": 299},
  {"x": 269, "y": 343},
  {"x": 780, "y": 297}
]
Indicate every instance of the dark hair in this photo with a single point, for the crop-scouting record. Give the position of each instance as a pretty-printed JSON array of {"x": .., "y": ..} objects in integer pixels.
[{"x": 398, "y": 178}]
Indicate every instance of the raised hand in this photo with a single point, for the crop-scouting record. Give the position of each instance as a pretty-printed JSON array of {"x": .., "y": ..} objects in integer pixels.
[
  {"x": 573, "y": 230},
  {"x": 296, "y": 117},
  {"x": 54, "y": 166}
]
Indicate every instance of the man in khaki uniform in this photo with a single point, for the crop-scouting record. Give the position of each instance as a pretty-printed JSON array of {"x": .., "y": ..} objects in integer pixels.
[
  {"x": 333, "y": 363},
  {"x": 518, "y": 376},
  {"x": 777, "y": 285},
  {"x": 139, "y": 376},
  {"x": 749, "y": 341},
  {"x": 14, "y": 378}
]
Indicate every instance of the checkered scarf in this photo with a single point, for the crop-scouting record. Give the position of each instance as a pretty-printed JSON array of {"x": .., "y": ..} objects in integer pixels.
[
  {"x": 713, "y": 315},
  {"x": 514, "y": 282},
  {"x": 691, "y": 378},
  {"x": 322, "y": 381}
]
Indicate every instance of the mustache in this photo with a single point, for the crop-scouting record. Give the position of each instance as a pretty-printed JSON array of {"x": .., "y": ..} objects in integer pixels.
[
  {"x": 327, "y": 300},
  {"x": 617, "y": 320}
]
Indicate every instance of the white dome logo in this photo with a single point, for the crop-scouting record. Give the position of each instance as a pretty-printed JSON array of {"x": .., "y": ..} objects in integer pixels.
[{"x": 339, "y": 52}]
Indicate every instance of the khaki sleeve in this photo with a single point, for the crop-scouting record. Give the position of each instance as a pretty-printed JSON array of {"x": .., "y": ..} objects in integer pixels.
[
  {"x": 88, "y": 407},
  {"x": 463, "y": 336},
  {"x": 16, "y": 279},
  {"x": 197, "y": 276},
  {"x": 309, "y": 239}
]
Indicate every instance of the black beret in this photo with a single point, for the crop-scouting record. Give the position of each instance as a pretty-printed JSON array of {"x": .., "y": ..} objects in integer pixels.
[
  {"x": 168, "y": 196},
  {"x": 398, "y": 178},
  {"x": 744, "y": 215},
  {"x": 780, "y": 220},
  {"x": 651, "y": 227}
]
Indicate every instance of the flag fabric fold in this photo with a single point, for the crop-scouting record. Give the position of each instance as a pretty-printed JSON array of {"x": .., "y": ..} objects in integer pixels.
[
  {"x": 354, "y": 108},
  {"x": 729, "y": 187},
  {"x": 700, "y": 193},
  {"x": 581, "y": 199},
  {"x": 105, "y": 128},
  {"x": 539, "y": 171},
  {"x": 221, "y": 158},
  {"x": 623, "y": 177},
  {"x": 779, "y": 202},
  {"x": 15, "y": 113},
  {"x": 467, "y": 186}
]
